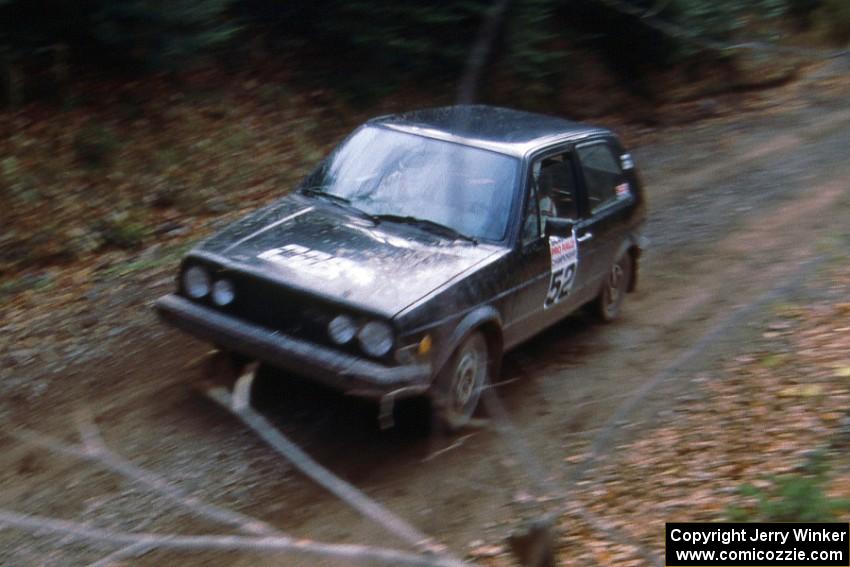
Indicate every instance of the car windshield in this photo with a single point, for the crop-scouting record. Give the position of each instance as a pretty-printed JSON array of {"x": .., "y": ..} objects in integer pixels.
[{"x": 385, "y": 172}]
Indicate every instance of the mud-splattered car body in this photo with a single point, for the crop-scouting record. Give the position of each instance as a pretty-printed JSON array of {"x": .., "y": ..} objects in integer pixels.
[{"x": 420, "y": 250}]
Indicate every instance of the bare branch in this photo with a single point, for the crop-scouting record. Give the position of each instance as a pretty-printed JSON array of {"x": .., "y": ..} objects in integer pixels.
[
  {"x": 460, "y": 441},
  {"x": 348, "y": 552},
  {"x": 95, "y": 451},
  {"x": 126, "y": 551},
  {"x": 322, "y": 476}
]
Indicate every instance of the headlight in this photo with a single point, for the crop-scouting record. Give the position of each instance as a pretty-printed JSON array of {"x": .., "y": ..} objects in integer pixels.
[
  {"x": 342, "y": 329},
  {"x": 196, "y": 282},
  {"x": 376, "y": 338},
  {"x": 223, "y": 292}
]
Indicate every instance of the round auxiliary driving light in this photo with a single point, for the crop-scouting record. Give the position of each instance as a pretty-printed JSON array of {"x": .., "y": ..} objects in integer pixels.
[
  {"x": 223, "y": 292},
  {"x": 342, "y": 329},
  {"x": 196, "y": 282},
  {"x": 376, "y": 338}
]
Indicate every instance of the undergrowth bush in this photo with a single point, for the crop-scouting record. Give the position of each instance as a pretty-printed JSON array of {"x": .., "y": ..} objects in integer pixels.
[
  {"x": 122, "y": 231},
  {"x": 796, "y": 497}
]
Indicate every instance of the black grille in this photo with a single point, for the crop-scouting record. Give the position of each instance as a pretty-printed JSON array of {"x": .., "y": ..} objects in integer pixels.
[{"x": 278, "y": 308}]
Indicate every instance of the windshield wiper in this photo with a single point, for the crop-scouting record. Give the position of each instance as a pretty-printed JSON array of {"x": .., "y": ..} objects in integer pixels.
[
  {"x": 335, "y": 199},
  {"x": 427, "y": 224},
  {"x": 320, "y": 192}
]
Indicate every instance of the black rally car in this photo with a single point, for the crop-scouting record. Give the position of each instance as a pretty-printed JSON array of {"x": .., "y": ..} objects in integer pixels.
[{"x": 425, "y": 246}]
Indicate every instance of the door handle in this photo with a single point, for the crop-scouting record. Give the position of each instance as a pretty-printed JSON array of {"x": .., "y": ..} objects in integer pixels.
[{"x": 585, "y": 237}]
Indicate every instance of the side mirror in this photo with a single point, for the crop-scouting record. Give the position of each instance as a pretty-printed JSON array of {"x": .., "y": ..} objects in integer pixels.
[{"x": 559, "y": 227}]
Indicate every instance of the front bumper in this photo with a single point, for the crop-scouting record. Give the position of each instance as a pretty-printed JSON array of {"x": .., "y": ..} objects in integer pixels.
[{"x": 343, "y": 372}]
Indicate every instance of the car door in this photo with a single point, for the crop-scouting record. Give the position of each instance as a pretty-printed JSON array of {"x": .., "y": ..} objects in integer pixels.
[
  {"x": 545, "y": 266},
  {"x": 529, "y": 265},
  {"x": 606, "y": 200}
]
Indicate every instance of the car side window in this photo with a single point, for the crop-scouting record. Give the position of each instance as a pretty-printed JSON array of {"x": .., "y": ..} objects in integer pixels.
[
  {"x": 552, "y": 194},
  {"x": 602, "y": 174},
  {"x": 557, "y": 182}
]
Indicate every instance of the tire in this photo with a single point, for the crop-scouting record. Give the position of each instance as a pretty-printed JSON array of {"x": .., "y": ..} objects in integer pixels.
[
  {"x": 459, "y": 385},
  {"x": 609, "y": 301}
]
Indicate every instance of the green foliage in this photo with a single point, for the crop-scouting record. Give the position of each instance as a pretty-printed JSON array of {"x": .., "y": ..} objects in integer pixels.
[
  {"x": 159, "y": 34},
  {"x": 370, "y": 46},
  {"x": 9, "y": 167},
  {"x": 799, "y": 497},
  {"x": 36, "y": 282},
  {"x": 122, "y": 231},
  {"x": 719, "y": 18},
  {"x": 27, "y": 27},
  {"x": 162, "y": 34},
  {"x": 393, "y": 39},
  {"x": 530, "y": 43}
]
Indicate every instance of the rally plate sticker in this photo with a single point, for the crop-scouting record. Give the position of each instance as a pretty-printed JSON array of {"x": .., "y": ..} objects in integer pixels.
[{"x": 564, "y": 255}]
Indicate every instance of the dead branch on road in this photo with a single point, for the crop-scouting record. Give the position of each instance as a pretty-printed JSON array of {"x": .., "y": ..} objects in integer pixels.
[
  {"x": 322, "y": 476},
  {"x": 131, "y": 550},
  {"x": 458, "y": 443},
  {"x": 260, "y": 536},
  {"x": 349, "y": 552},
  {"x": 96, "y": 452}
]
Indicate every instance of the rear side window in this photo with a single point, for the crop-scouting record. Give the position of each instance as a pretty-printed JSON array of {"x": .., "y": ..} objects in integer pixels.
[{"x": 602, "y": 175}]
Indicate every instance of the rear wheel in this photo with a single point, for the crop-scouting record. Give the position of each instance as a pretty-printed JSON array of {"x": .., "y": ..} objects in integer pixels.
[
  {"x": 460, "y": 383},
  {"x": 609, "y": 302}
]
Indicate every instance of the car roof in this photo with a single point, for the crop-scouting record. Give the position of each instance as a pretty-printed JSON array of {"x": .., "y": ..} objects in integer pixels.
[{"x": 504, "y": 130}]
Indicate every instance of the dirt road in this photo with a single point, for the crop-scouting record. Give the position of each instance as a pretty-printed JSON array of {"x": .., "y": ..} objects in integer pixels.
[{"x": 737, "y": 206}]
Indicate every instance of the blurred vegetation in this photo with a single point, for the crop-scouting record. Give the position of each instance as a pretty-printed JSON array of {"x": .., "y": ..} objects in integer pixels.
[
  {"x": 161, "y": 33},
  {"x": 794, "y": 497},
  {"x": 372, "y": 45},
  {"x": 135, "y": 123}
]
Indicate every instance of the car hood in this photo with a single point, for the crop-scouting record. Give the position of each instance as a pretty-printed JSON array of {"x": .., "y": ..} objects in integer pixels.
[{"x": 320, "y": 247}]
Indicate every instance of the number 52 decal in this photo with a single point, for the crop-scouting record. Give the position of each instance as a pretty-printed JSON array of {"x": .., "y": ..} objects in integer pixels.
[{"x": 564, "y": 255}]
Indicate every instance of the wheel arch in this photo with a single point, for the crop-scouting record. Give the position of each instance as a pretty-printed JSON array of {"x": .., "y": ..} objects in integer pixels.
[
  {"x": 631, "y": 247},
  {"x": 487, "y": 320}
]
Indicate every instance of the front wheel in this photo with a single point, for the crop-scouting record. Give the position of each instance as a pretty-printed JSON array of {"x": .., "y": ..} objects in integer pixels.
[
  {"x": 609, "y": 302},
  {"x": 460, "y": 383}
]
